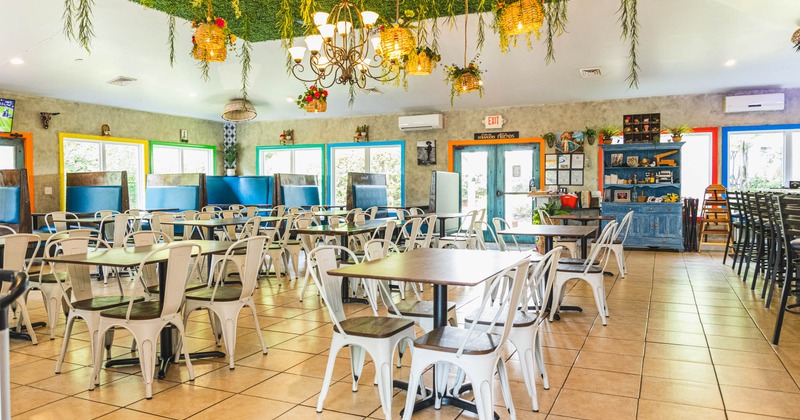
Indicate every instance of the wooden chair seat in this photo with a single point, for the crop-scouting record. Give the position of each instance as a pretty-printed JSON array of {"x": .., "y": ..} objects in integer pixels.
[
  {"x": 578, "y": 268},
  {"x": 448, "y": 339},
  {"x": 101, "y": 303},
  {"x": 154, "y": 289},
  {"x": 50, "y": 277},
  {"x": 615, "y": 241},
  {"x": 423, "y": 309},
  {"x": 141, "y": 311},
  {"x": 224, "y": 294},
  {"x": 489, "y": 314},
  {"x": 575, "y": 261},
  {"x": 374, "y": 326}
]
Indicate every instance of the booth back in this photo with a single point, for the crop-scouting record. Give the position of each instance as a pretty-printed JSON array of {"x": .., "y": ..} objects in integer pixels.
[
  {"x": 247, "y": 190},
  {"x": 88, "y": 192},
  {"x": 15, "y": 201},
  {"x": 366, "y": 196},
  {"x": 9, "y": 205},
  {"x": 180, "y": 191},
  {"x": 300, "y": 195}
]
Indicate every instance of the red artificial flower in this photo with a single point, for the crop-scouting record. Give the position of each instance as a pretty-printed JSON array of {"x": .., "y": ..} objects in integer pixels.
[
  {"x": 309, "y": 98},
  {"x": 193, "y": 40},
  {"x": 316, "y": 94},
  {"x": 312, "y": 88},
  {"x": 220, "y": 22},
  {"x": 325, "y": 92}
]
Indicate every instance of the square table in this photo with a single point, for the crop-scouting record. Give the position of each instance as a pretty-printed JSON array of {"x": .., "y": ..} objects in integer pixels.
[
  {"x": 128, "y": 257},
  {"x": 210, "y": 224},
  {"x": 441, "y": 268},
  {"x": 442, "y": 218},
  {"x": 583, "y": 219},
  {"x": 551, "y": 231}
]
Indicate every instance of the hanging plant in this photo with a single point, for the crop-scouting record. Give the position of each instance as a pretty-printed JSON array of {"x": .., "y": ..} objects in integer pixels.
[
  {"x": 314, "y": 99},
  {"x": 628, "y": 16},
  {"x": 464, "y": 80},
  {"x": 80, "y": 15},
  {"x": 421, "y": 61},
  {"x": 555, "y": 14},
  {"x": 397, "y": 39},
  {"x": 796, "y": 40},
  {"x": 520, "y": 17},
  {"x": 212, "y": 39}
]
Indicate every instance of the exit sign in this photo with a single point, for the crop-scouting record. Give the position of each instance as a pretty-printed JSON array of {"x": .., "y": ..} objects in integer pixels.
[{"x": 493, "y": 121}]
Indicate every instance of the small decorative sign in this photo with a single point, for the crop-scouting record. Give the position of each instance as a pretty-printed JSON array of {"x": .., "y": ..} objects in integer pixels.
[
  {"x": 493, "y": 121},
  {"x": 497, "y": 136}
]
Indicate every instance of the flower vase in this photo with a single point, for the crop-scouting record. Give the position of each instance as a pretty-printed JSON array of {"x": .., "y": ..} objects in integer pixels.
[
  {"x": 677, "y": 139},
  {"x": 230, "y": 172}
]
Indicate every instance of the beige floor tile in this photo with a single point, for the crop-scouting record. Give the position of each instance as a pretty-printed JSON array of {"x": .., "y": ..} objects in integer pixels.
[
  {"x": 180, "y": 401},
  {"x": 341, "y": 398},
  {"x": 746, "y": 359},
  {"x": 306, "y": 343},
  {"x": 758, "y": 401},
  {"x": 675, "y": 369},
  {"x": 613, "y": 363},
  {"x": 603, "y": 382},
  {"x": 657, "y": 410},
  {"x": 276, "y": 360},
  {"x": 774, "y": 380},
  {"x": 741, "y": 344},
  {"x": 37, "y": 371},
  {"x": 125, "y": 391},
  {"x": 287, "y": 387},
  {"x": 244, "y": 407},
  {"x": 614, "y": 346},
  {"x": 25, "y": 398},
  {"x": 589, "y": 405},
  {"x": 303, "y": 412},
  {"x": 236, "y": 380},
  {"x": 734, "y": 415},
  {"x": 315, "y": 367},
  {"x": 681, "y": 392},
  {"x": 70, "y": 407},
  {"x": 126, "y": 414},
  {"x": 564, "y": 341},
  {"x": 680, "y": 338},
  {"x": 559, "y": 356},
  {"x": 677, "y": 352}
]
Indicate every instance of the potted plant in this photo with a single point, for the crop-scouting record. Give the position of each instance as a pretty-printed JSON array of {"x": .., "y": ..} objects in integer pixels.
[
  {"x": 608, "y": 132},
  {"x": 230, "y": 156},
  {"x": 314, "y": 99},
  {"x": 550, "y": 138},
  {"x": 553, "y": 208},
  {"x": 678, "y": 131},
  {"x": 590, "y": 134}
]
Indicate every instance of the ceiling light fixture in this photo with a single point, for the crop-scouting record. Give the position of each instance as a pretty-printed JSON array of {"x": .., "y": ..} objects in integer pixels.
[
  {"x": 730, "y": 62},
  {"x": 345, "y": 50},
  {"x": 239, "y": 110},
  {"x": 17, "y": 61}
]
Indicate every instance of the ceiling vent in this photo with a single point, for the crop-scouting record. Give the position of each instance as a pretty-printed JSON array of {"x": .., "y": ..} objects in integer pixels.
[
  {"x": 372, "y": 91},
  {"x": 121, "y": 81},
  {"x": 591, "y": 73}
]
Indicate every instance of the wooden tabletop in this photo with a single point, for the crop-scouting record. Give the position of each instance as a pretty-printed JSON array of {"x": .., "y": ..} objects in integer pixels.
[
  {"x": 132, "y": 256},
  {"x": 168, "y": 209},
  {"x": 582, "y": 217},
  {"x": 343, "y": 230},
  {"x": 331, "y": 213},
  {"x": 443, "y": 215},
  {"x": 549, "y": 230},
  {"x": 212, "y": 223},
  {"x": 452, "y": 267}
]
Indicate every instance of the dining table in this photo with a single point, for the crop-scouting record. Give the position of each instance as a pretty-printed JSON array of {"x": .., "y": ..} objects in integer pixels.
[
  {"x": 443, "y": 218},
  {"x": 210, "y": 224},
  {"x": 130, "y": 257},
  {"x": 442, "y": 268},
  {"x": 584, "y": 219}
]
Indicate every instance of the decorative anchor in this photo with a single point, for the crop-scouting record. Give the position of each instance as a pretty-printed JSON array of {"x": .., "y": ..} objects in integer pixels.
[{"x": 45, "y": 116}]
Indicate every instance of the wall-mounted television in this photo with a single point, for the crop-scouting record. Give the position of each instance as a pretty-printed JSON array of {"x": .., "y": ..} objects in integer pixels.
[{"x": 6, "y": 115}]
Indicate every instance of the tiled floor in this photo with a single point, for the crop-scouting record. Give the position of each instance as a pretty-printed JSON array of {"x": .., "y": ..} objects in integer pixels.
[{"x": 686, "y": 339}]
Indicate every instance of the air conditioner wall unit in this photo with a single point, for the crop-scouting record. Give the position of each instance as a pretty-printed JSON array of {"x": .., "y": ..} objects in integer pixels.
[
  {"x": 421, "y": 122},
  {"x": 751, "y": 103}
]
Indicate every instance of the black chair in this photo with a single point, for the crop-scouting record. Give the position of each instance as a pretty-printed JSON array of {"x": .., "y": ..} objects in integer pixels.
[
  {"x": 776, "y": 251},
  {"x": 764, "y": 240},
  {"x": 18, "y": 284},
  {"x": 789, "y": 214},
  {"x": 735, "y": 232}
]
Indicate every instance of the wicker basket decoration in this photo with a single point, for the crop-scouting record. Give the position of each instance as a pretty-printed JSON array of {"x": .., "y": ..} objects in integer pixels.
[
  {"x": 796, "y": 40},
  {"x": 239, "y": 110},
  {"x": 396, "y": 42},
  {"x": 468, "y": 82},
  {"x": 317, "y": 106},
  {"x": 521, "y": 17},
  {"x": 210, "y": 43},
  {"x": 419, "y": 64}
]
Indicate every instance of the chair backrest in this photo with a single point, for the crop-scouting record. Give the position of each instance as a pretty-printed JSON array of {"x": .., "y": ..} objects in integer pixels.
[
  {"x": 307, "y": 240},
  {"x": 624, "y": 226},
  {"x": 78, "y": 275},
  {"x": 415, "y": 210},
  {"x": 469, "y": 222},
  {"x": 542, "y": 276},
  {"x": 789, "y": 206},
  {"x": 248, "y": 273},
  {"x": 137, "y": 216},
  {"x": 178, "y": 270},
  {"x": 149, "y": 272},
  {"x": 544, "y": 216},
  {"x": 372, "y": 212},
  {"x": 206, "y": 215},
  {"x": 250, "y": 228},
  {"x": 428, "y": 223},
  {"x": 278, "y": 211},
  {"x": 105, "y": 213},
  {"x": 375, "y": 249},
  {"x": 168, "y": 230},
  {"x": 288, "y": 222},
  {"x": 321, "y": 260},
  {"x": 601, "y": 251},
  {"x": 236, "y": 207},
  {"x": 212, "y": 209},
  {"x": 57, "y": 221},
  {"x": 507, "y": 304},
  {"x": 501, "y": 224},
  {"x": 480, "y": 226},
  {"x": 413, "y": 227},
  {"x": 5, "y": 230},
  {"x": 387, "y": 229},
  {"x": 16, "y": 249}
]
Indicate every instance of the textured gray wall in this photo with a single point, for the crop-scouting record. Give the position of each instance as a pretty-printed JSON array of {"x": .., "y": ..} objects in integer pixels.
[{"x": 530, "y": 121}]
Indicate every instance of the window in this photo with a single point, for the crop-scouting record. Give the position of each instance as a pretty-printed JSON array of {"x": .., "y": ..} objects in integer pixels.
[
  {"x": 172, "y": 158},
  {"x": 697, "y": 163},
  {"x": 85, "y": 154},
  {"x": 305, "y": 159},
  {"x": 382, "y": 157},
  {"x": 8, "y": 157},
  {"x": 760, "y": 157}
]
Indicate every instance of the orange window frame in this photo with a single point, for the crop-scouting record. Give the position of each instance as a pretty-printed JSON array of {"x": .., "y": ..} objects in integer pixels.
[
  {"x": 452, "y": 144},
  {"x": 27, "y": 146}
]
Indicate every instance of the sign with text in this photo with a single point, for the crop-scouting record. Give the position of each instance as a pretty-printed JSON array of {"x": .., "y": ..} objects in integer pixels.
[
  {"x": 493, "y": 121},
  {"x": 497, "y": 136}
]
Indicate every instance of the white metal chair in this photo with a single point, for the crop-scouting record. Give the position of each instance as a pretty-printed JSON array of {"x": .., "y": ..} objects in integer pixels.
[
  {"x": 227, "y": 302},
  {"x": 465, "y": 237},
  {"x": 570, "y": 245},
  {"x": 15, "y": 251},
  {"x": 589, "y": 272},
  {"x": 375, "y": 335},
  {"x": 58, "y": 221},
  {"x": 145, "y": 320},
  {"x": 617, "y": 245},
  {"x": 211, "y": 209},
  {"x": 501, "y": 224},
  {"x": 138, "y": 216},
  {"x": 477, "y": 353}
]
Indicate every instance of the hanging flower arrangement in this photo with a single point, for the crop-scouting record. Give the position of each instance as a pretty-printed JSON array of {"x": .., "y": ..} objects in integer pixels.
[
  {"x": 421, "y": 61},
  {"x": 464, "y": 79},
  {"x": 314, "y": 99},
  {"x": 397, "y": 39},
  {"x": 520, "y": 17},
  {"x": 211, "y": 39}
]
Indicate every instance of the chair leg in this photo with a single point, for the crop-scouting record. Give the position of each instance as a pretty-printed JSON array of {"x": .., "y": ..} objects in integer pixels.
[
  {"x": 505, "y": 387},
  {"x": 357, "y": 355},
  {"x": 525, "y": 349},
  {"x": 539, "y": 356},
  {"x": 383, "y": 369},
  {"x": 599, "y": 299},
  {"x": 336, "y": 345},
  {"x": 185, "y": 348},
  {"x": 413, "y": 383},
  {"x": 252, "y": 307},
  {"x": 67, "y": 333},
  {"x": 556, "y": 300}
]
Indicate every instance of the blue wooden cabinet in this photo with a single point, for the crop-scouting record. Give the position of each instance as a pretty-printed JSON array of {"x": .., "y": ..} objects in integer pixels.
[{"x": 654, "y": 225}]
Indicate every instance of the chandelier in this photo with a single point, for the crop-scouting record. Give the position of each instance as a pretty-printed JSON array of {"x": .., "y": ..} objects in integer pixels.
[{"x": 346, "y": 49}]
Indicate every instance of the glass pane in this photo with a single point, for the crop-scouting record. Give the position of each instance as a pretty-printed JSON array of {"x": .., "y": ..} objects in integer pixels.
[
  {"x": 197, "y": 161},
  {"x": 388, "y": 160},
  {"x": 695, "y": 165},
  {"x": 474, "y": 171},
  {"x": 518, "y": 173},
  {"x": 309, "y": 162},
  {"x": 7, "y": 157},
  {"x": 276, "y": 161},
  {"x": 794, "y": 162},
  {"x": 346, "y": 160},
  {"x": 81, "y": 156},
  {"x": 126, "y": 157},
  {"x": 166, "y": 160},
  {"x": 755, "y": 160}
]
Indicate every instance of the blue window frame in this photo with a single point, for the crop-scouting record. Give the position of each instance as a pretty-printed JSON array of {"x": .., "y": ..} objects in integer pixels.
[
  {"x": 387, "y": 157},
  {"x": 762, "y": 156}
]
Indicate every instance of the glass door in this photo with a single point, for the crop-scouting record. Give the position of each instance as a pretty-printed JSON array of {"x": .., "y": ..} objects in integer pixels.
[
  {"x": 12, "y": 154},
  {"x": 497, "y": 178}
]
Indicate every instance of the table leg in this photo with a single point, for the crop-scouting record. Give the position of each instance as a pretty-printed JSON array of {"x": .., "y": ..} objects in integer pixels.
[
  {"x": 346, "y": 298},
  {"x": 548, "y": 246},
  {"x": 442, "y": 226}
]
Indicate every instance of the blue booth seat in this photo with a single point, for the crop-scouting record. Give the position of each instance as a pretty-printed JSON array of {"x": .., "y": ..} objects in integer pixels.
[
  {"x": 180, "y": 197},
  {"x": 88, "y": 199},
  {"x": 300, "y": 195},
  {"x": 9, "y": 205},
  {"x": 366, "y": 196},
  {"x": 240, "y": 189}
]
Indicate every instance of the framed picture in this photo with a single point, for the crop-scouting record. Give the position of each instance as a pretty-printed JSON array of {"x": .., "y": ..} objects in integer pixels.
[
  {"x": 632, "y": 161},
  {"x": 184, "y": 135},
  {"x": 550, "y": 161},
  {"x": 563, "y": 177},
  {"x": 616, "y": 159},
  {"x": 576, "y": 177},
  {"x": 577, "y": 161},
  {"x": 564, "y": 161},
  {"x": 622, "y": 196},
  {"x": 551, "y": 177},
  {"x": 426, "y": 152}
]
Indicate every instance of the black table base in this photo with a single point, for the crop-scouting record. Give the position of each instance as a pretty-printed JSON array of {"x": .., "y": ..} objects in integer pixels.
[{"x": 23, "y": 334}]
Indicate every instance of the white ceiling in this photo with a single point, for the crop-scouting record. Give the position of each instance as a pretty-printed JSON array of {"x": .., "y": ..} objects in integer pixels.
[{"x": 684, "y": 44}]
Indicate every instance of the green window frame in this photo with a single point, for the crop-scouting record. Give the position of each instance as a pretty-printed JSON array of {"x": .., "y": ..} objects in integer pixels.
[{"x": 154, "y": 143}]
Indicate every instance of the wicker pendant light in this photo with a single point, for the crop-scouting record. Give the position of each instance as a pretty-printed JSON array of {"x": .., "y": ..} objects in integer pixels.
[
  {"x": 419, "y": 64},
  {"x": 396, "y": 42},
  {"x": 467, "y": 82},
  {"x": 522, "y": 16},
  {"x": 239, "y": 110},
  {"x": 210, "y": 40},
  {"x": 796, "y": 40}
]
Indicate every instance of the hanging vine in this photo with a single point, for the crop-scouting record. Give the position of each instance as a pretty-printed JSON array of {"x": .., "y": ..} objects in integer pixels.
[
  {"x": 555, "y": 14},
  {"x": 171, "y": 39},
  {"x": 286, "y": 25},
  {"x": 69, "y": 31},
  {"x": 80, "y": 15},
  {"x": 244, "y": 57},
  {"x": 481, "y": 38},
  {"x": 235, "y": 6},
  {"x": 629, "y": 19}
]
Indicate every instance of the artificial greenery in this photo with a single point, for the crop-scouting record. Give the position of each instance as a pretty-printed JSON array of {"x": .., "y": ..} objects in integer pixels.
[
  {"x": 679, "y": 130},
  {"x": 453, "y": 72},
  {"x": 550, "y": 138},
  {"x": 555, "y": 15},
  {"x": 313, "y": 93},
  {"x": 171, "y": 39},
  {"x": 506, "y": 40},
  {"x": 628, "y": 17},
  {"x": 552, "y": 207},
  {"x": 230, "y": 155},
  {"x": 609, "y": 131},
  {"x": 590, "y": 133}
]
